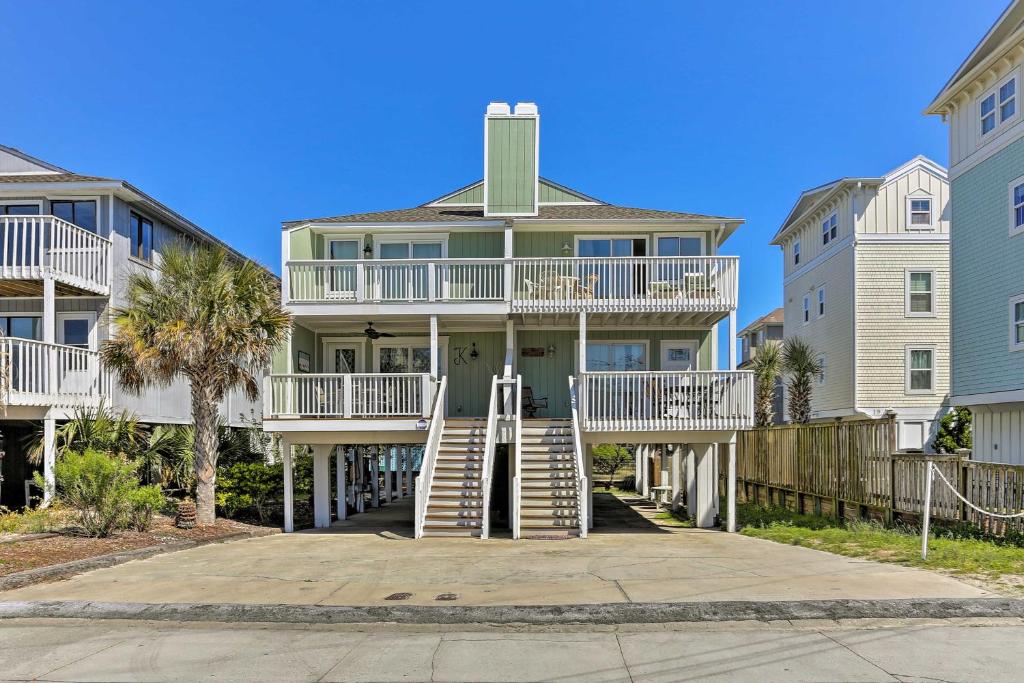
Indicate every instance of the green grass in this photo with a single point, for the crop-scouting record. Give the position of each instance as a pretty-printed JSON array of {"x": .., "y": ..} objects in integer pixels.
[{"x": 948, "y": 551}]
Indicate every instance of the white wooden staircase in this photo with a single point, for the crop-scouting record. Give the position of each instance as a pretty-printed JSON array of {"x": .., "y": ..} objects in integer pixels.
[
  {"x": 454, "y": 505},
  {"x": 549, "y": 494}
]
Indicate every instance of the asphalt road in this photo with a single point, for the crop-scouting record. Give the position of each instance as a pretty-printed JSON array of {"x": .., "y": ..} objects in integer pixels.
[{"x": 856, "y": 650}]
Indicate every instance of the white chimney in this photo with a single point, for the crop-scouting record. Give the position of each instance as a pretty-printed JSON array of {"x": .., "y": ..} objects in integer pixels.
[{"x": 499, "y": 109}]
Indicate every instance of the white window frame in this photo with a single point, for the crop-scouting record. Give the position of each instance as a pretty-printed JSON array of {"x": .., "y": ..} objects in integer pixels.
[
  {"x": 820, "y": 299},
  {"x": 907, "y": 312},
  {"x": 823, "y": 361},
  {"x": 907, "y": 370},
  {"x": 22, "y": 202},
  {"x": 358, "y": 343},
  {"x": 656, "y": 237},
  {"x": 830, "y": 228},
  {"x": 807, "y": 309},
  {"x": 796, "y": 252},
  {"x": 1014, "y": 346},
  {"x": 993, "y": 92},
  {"x": 410, "y": 343},
  {"x": 599, "y": 236},
  {"x": 89, "y": 316},
  {"x": 930, "y": 225},
  {"x": 668, "y": 343},
  {"x": 645, "y": 342},
  {"x": 410, "y": 239},
  {"x": 1014, "y": 228},
  {"x": 360, "y": 238},
  {"x": 99, "y": 211}
]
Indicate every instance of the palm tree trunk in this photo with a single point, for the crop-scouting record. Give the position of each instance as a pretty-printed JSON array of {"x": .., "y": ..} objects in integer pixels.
[{"x": 204, "y": 415}]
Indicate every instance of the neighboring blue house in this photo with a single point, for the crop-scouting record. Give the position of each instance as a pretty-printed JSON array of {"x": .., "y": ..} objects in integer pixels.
[{"x": 981, "y": 103}]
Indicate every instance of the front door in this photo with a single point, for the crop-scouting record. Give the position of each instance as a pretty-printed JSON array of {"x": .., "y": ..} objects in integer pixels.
[
  {"x": 77, "y": 371},
  {"x": 678, "y": 355},
  {"x": 342, "y": 358}
]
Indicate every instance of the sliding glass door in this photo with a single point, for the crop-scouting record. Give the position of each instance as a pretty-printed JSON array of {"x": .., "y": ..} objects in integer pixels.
[
  {"x": 406, "y": 281},
  {"x": 606, "y": 279}
]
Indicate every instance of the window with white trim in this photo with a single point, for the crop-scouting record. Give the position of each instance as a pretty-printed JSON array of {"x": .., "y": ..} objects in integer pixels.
[
  {"x": 821, "y": 301},
  {"x": 919, "y": 213},
  {"x": 796, "y": 253},
  {"x": 807, "y": 309},
  {"x": 920, "y": 369},
  {"x": 1017, "y": 207},
  {"x": 998, "y": 106},
  {"x": 829, "y": 228},
  {"x": 1017, "y": 323},
  {"x": 920, "y": 293}
]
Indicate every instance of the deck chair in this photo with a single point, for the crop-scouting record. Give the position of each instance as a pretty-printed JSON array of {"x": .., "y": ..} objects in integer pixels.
[{"x": 531, "y": 404}]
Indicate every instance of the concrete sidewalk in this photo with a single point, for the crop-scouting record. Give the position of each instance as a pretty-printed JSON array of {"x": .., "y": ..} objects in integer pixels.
[
  {"x": 627, "y": 558},
  {"x": 75, "y": 650}
]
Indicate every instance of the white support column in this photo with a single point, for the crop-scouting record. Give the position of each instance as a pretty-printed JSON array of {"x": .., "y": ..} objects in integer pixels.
[
  {"x": 340, "y": 462},
  {"x": 434, "y": 357},
  {"x": 704, "y": 461},
  {"x": 408, "y": 471},
  {"x": 507, "y": 267},
  {"x": 375, "y": 477},
  {"x": 646, "y": 464},
  {"x": 731, "y": 488},
  {"x": 49, "y": 458},
  {"x": 389, "y": 473},
  {"x": 637, "y": 469},
  {"x": 715, "y": 489},
  {"x": 583, "y": 341},
  {"x": 691, "y": 481},
  {"x": 322, "y": 486},
  {"x": 50, "y": 331},
  {"x": 664, "y": 462},
  {"x": 677, "y": 476},
  {"x": 588, "y": 464},
  {"x": 289, "y": 489},
  {"x": 732, "y": 340},
  {"x": 399, "y": 493},
  {"x": 509, "y": 371}
]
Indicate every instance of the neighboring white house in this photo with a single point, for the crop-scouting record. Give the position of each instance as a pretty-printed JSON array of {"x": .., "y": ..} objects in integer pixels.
[
  {"x": 981, "y": 104},
  {"x": 752, "y": 338},
  {"x": 866, "y": 283},
  {"x": 68, "y": 243}
]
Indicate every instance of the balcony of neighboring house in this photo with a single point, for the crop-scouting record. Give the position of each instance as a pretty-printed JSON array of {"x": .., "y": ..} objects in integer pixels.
[
  {"x": 38, "y": 374},
  {"x": 35, "y": 248}
]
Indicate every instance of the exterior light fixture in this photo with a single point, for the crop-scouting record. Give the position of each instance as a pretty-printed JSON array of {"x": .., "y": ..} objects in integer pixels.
[
  {"x": 421, "y": 424},
  {"x": 551, "y": 349},
  {"x": 367, "y": 250},
  {"x": 474, "y": 354},
  {"x": 566, "y": 249}
]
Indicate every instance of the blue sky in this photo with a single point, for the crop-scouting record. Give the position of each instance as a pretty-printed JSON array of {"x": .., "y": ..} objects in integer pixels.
[{"x": 243, "y": 114}]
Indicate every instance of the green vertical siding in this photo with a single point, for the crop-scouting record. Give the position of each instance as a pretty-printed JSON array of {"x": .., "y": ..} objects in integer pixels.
[
  {"x": 511, "y": 165},
  {"x": 471, "y": 195},
  {"x": 476, "y": 245},
  {"x": 469, "y": 381},
  {"x": 301, "y": 244},
  {"x": 304, "y": 340},
  {"x": 550, "y": 193}
]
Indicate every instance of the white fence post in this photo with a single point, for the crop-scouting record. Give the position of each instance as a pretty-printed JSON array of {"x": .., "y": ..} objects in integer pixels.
[{"x": 926, "y": 511}]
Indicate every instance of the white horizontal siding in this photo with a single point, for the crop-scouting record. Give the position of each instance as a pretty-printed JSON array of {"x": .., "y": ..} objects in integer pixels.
[{"x": 808, "y": 233}]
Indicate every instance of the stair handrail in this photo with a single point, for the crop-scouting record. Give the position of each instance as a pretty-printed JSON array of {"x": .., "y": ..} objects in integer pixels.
[
  {"x": 488, "y": 463},
  {"x": 426, "y": 475},
  {"x": 582, "y": 489},
  {"x": 517, "y": 487}
]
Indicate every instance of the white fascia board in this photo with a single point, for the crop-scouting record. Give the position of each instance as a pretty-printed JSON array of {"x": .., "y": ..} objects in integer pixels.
[
  {"x": 924, "y": 237},
  {"x": 792, "y": 221},
  {"x": 398, "y": 309},
  {"x": 1013, "y": 396},
  {"x": 920, "y": 161},
  {"x": 413, "y": 226}
]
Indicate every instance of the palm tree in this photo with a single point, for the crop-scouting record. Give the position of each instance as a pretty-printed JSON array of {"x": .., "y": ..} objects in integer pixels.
[
  {"x": 209, "y": 319},
  {"x": 802, "y": 365},
  {"x": 767, "y": 366}
]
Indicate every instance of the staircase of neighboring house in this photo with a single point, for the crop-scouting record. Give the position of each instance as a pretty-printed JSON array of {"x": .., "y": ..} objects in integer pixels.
[
  {"x": 549, "y": 503},
  {"x": 455, "y": 504}
]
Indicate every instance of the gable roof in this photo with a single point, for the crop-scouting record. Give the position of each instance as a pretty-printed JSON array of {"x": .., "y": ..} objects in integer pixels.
[
  {"x": 550, "y": 193},
  {"x": 33, "y": 164},
  {"x": 811, "y": 199},
  {"x": 776, "y": 317}
]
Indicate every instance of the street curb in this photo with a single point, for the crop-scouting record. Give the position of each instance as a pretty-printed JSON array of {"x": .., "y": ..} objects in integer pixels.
[
  {"x": 66, "y": 570},
  {"x": 609, "y": 613}
]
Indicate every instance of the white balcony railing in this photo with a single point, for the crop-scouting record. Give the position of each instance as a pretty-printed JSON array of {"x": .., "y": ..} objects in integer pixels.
[
  {"x": 414, "y": 280},
  {"x": 636, "y": 283},
  {"x": 645, "y": 401},
  {"x": 40, "y": 374},
  {"x": 538, "y": 285},
  {"x": 360, "y": 395},
  {"x": 33, "y": 247}
]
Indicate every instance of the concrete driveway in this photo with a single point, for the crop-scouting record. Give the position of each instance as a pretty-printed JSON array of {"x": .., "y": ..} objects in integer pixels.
[{"x": 627, "y": 558}]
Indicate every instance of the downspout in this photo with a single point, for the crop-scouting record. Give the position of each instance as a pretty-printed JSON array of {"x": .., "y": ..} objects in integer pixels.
[{"x": 853, "y": 286}]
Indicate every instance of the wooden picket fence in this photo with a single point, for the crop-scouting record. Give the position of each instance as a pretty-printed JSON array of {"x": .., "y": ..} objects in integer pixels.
[{"x": 851, "y": 470}]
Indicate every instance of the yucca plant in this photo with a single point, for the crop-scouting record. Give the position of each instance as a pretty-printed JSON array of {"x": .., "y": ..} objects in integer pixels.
[
  {"x": 97, "y": 429},
  {"x": 802, "y": 366},
  {"x": 767, "y": 367},
  {"x": 209, "y": 319}
]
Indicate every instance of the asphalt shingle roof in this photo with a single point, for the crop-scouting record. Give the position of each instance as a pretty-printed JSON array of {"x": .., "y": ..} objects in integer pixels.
[{"x": 52, "y": 178}]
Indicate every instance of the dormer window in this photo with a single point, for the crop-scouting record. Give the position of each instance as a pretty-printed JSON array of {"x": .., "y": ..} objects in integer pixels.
[
  {"x": 919, "y": 212},
  {"x": 796, "y": 253},
  {"x": 998, "y": 106},
  {"x": 829, "y": 229}
]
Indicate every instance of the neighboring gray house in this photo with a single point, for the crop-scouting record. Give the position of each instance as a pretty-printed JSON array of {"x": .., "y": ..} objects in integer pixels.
[
  {"x": 68, "y": 242},
  {"x": 986, "y": 175},
  {"x": 752, "y": 338}
]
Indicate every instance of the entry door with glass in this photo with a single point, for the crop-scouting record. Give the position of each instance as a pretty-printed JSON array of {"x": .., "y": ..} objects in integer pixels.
[
  {"x": 678, "y": 277},
  {"x": 341, "y": 281},
  {"x": 77, "y": 371},
  {"x": 607, "y": 279},
  {"x": 406, "y": 281},
  {"x": 398, "y": 357},
  {"x": 342, "y": 358}
]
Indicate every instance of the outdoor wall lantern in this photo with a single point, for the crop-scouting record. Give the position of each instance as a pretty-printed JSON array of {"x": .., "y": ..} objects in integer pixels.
[
  {"x": 551, "y": 349},
  {"x": 367, "y": 250},
  {"x": 566, "y": 249},
  {"x": 421, "y": 424},
  {"x": 474, "y": 354}
]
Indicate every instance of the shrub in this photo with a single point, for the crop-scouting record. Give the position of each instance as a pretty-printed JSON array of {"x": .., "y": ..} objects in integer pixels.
[
  {"x": 144, "y": 501},
  {"x": 249, "y": 486},
  {"x": 31, "y": 520},
  {"x": 628, "y": 483},
  {"x": 99, "y": 487}
]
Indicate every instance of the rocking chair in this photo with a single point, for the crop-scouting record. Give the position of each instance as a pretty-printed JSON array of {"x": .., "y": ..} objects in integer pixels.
[{"x": 531, "y": 404}]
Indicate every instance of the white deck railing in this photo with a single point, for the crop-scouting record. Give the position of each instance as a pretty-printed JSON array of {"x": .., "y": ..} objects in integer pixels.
[
  {"x": 40, "y": 374},
  {"x": 425, "y": 478},
  {"x": 582, "y": 485},
  {"x": 645, "y": 401},
  {"x": 397, "y": 281},
  {"x": 33, "y": 247},
  {"x": 638, "y": 283},
  {"x": 360, "y": 395}
]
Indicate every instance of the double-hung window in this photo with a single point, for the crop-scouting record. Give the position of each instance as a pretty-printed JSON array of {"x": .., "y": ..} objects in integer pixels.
[
  {"x": 829, "y": 228},
  {"x": 141, "y": 236},
  {"x": 807, "y": 309},
  {"x": 919, "y": 213},
  {"x": 796, "y": 253},
  {"x": 920, "y": 369},
  {"x": 1017, "y": 323},
  {"x": 919, "y": 295},
  {"x": 1017, "y": 207},
  {"x": 998, "y": 106},
  {"x": 821, "y": 301}
]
